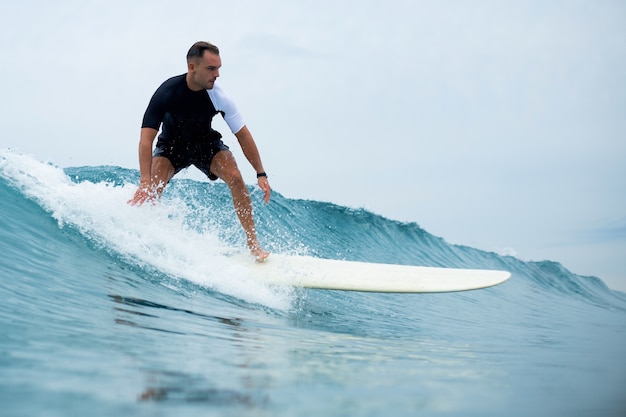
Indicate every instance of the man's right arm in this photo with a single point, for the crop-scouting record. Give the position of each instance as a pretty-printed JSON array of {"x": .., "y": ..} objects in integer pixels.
[
  {"x": 146, "y": 140},
  {"x": 146, "y": 189}
]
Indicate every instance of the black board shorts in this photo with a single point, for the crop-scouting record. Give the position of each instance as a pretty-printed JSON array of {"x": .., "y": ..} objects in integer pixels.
[{"x": 198, "y": 153}]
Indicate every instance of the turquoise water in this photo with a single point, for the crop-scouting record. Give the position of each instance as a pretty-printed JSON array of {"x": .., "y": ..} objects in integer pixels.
[{"x": 116, "y": 310}]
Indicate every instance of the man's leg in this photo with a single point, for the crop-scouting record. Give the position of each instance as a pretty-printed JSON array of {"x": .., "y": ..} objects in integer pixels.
[
  {"x": 225, "y": 167},
  {"x": 161, "y": 173}
]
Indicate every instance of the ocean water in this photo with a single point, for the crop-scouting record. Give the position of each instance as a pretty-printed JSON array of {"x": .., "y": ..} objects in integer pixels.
[{"x": 113, "y": 310}]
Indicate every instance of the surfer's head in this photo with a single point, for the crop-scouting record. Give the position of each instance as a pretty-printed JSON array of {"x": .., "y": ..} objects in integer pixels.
[{"x": 203, "y": 66}]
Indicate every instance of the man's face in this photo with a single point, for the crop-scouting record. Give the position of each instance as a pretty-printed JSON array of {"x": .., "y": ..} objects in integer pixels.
[{"x": 203, "y": 72}]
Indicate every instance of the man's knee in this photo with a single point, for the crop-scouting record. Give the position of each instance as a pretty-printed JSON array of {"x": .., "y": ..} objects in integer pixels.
[
  {"x": 225, "y": 167},
  {"x": 232, "y": 176}
]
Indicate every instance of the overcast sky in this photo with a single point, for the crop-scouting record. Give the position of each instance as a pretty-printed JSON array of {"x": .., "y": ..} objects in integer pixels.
[{"x": 495, "y": 124}]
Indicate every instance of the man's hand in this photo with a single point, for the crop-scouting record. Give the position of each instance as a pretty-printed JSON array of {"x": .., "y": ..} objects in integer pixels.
[
  {"x": 264, "y": 184},
  {"x": 144, "y": 193}
]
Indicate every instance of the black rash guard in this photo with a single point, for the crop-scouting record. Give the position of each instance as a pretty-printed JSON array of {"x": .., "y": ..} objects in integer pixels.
[{"x": 185, "y": 117}]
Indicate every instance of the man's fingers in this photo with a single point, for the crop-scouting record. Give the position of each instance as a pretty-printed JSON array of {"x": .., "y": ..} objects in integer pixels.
[{"x": 141, "y": 196}]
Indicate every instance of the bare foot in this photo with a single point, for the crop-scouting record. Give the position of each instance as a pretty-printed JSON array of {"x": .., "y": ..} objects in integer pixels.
[{"x": 259, "y": 253}]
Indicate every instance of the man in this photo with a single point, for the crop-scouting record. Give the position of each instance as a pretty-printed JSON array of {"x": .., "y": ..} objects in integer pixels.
[{"x": 185, "y": 105}]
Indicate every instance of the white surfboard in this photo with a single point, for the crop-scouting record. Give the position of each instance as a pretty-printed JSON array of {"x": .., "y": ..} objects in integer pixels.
[{"x": 309, "y": 272}]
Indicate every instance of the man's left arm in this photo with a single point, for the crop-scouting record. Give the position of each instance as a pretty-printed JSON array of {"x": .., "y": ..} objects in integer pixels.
[{"x": 251, "y": 152}]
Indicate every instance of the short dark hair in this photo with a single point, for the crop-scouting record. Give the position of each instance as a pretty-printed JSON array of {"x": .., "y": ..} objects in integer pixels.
[{"x": 198, "y": 48}]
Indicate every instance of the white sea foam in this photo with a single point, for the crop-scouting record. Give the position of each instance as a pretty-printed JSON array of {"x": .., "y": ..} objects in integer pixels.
[{"x": 153, "y": 236}]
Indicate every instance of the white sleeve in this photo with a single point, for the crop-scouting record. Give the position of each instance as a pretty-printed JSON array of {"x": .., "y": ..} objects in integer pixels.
[{"x": 225, "y": 105}]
